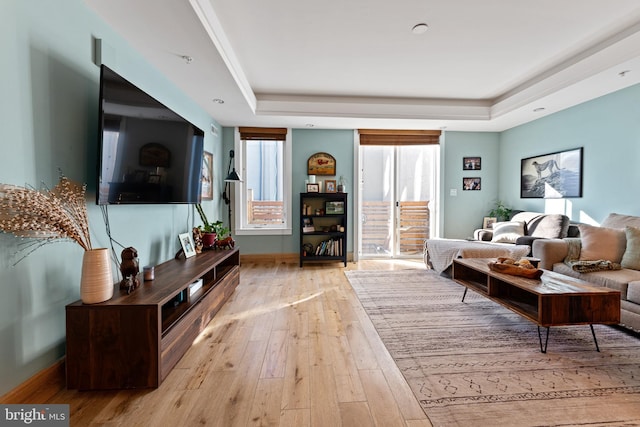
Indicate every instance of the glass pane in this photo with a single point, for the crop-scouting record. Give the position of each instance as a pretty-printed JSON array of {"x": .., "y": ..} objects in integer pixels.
[
  {"x": 415, "y": 185},
  {"x": 377, "y": 201},
  {"x": 264, "y": 182}
]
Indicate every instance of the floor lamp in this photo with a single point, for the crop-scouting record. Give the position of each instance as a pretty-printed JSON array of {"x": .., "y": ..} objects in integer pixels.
[{"x": 232, "y": 177}]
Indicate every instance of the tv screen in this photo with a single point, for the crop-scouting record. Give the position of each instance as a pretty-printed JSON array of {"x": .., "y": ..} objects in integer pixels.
[{"x": 147, "y": 152}]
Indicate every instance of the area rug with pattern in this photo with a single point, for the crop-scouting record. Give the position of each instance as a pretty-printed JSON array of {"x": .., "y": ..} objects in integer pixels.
[{"x": 476, "y": 363}]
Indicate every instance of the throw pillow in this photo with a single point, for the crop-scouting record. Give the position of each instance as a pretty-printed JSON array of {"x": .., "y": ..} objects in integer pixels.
[
  {"x": 631, "y": 257},
  {"x": 507, "y": 232},
  {"x": 602, "y": 243}
]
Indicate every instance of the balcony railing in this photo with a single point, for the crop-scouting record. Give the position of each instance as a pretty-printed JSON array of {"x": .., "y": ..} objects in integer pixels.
[
  {"x": 376, "y": 227},
  {"x": 265, "y": 212}
]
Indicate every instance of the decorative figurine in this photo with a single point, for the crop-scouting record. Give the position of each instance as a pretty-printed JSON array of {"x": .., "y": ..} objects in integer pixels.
[
  {"x": 129, "y": 268},
  {"x": 197, "y": 239},
  {"x": 227, "y": 243}
]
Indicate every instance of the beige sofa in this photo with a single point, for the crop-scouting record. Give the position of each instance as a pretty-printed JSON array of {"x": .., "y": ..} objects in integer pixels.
[
  {"x": 617, "y": 242},
  {"x": 511, "y": 239},
  {"x": 535, "y": 225}
]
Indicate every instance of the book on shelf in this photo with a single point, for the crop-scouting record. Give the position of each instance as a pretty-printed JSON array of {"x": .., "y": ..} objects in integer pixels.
[{"x": 331, "y": 247}]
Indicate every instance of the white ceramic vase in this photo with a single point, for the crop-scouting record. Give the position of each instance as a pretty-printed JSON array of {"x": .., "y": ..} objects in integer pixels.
[{"x": 96, "y": 283}]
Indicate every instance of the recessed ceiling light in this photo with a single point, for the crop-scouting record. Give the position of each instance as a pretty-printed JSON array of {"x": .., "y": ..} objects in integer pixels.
[
  {"x": 420, "y": 28},
  {"x": 218, "y": 100},
  {"x": 539, "y": 109}
]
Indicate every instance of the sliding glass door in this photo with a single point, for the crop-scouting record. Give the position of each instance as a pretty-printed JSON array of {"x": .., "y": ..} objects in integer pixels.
[{"x": 397, "y": 189}]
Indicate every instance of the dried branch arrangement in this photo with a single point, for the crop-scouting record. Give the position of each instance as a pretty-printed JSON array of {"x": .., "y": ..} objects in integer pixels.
[{"x": 46, "y": 215}]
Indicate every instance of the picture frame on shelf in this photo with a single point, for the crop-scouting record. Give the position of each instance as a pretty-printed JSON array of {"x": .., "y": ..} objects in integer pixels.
[
  {"x": 471, "y": 163},
  {"x": 188, "y": 247},
  {"x": 330, "y": 186},
  {"x": 313, "y": 188},
  {"x": 307, "y": 225},
  {"x": 154, "y": 179},
  {"x": 334, "y": 207},
  {"x": 471, "y": 183},
  {"x": 206, "y": 187},
  {"x": 488, "y": 221}
]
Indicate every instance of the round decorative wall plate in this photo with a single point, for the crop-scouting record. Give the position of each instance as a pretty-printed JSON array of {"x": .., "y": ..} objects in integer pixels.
[{"x": 321, "y": 164}]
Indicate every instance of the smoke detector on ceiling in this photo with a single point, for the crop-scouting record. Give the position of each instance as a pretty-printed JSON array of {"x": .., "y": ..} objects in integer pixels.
[{"x": 420, "y": 28}]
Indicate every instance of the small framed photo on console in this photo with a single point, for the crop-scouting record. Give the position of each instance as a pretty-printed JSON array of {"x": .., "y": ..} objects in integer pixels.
[
  {"x": 188, "y": 246},
  {"x": 488, "y": 221}
]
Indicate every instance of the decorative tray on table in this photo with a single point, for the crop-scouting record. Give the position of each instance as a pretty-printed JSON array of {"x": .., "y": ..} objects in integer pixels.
[{"x": 522, "y": 267}]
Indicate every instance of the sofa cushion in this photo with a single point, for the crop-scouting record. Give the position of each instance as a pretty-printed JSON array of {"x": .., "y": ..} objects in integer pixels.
[
  {"x": 633, "y": 292},
  {"x": 615, "y": 220},
  {"x": 602, "y": 243},
  {"x": 613, "y": 279},
  {"x": 507, "y": 232},
  {"x": 631, "y": 257},
  {"x": 548, "y": 226}
]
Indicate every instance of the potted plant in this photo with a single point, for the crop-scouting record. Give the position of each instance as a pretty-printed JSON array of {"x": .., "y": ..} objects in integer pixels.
[
  {"x": 500, "y": 211},
  {"x": 208, "y": 229},
  {"x": 220, "y": 230}
]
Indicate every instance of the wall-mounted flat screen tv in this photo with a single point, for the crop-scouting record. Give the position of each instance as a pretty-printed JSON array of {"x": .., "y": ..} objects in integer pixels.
[{"x": 148, "y": 154}]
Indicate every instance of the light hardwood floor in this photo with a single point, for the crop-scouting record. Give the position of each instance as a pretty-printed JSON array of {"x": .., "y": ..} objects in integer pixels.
[{"x": 292, "y": 347}]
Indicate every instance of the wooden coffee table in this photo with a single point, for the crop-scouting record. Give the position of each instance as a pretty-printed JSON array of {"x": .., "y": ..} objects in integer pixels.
[{"x": 554, "y": 300}]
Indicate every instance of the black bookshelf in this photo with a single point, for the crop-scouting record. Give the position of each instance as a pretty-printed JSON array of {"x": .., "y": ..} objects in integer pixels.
[{"x": 323, "y": 227}]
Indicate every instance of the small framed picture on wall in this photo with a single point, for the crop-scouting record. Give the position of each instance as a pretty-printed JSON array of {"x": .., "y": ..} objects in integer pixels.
[
  {"x": 471, "y": 163},
  {"x": 471, "y": 183}
]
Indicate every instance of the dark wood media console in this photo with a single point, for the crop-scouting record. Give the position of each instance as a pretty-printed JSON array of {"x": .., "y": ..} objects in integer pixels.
[{"x": 133, "y": 341}]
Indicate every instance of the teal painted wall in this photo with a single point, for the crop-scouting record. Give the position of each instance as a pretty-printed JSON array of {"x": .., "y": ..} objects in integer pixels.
[
  {"x": 609, "y": 130},
  {"x": 48, "y": 120},
  {"x": 463, "y": 213},
  {"x": 338, "y": 143}
]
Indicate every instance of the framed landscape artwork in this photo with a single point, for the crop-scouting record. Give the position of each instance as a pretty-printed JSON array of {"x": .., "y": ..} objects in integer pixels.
[{"x": 552, "y": 176}]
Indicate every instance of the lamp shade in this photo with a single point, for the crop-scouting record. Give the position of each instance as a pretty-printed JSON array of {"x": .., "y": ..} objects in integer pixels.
[{"x": 233, "y": 176}]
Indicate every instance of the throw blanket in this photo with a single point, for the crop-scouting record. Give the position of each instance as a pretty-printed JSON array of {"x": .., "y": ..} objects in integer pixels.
[
  {"x": 585, "y": 266},
  {"x": 440, "y": 253}
]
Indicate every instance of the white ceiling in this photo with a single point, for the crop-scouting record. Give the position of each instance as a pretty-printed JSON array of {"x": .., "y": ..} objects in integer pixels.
[{"x": 481, "y": 65}]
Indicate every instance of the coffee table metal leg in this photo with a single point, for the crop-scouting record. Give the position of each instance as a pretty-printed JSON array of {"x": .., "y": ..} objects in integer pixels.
[
  {"x": 465, "y": 293},
  {"x": 546, "y": 341},
  {"x": 594, "y": 337}
]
